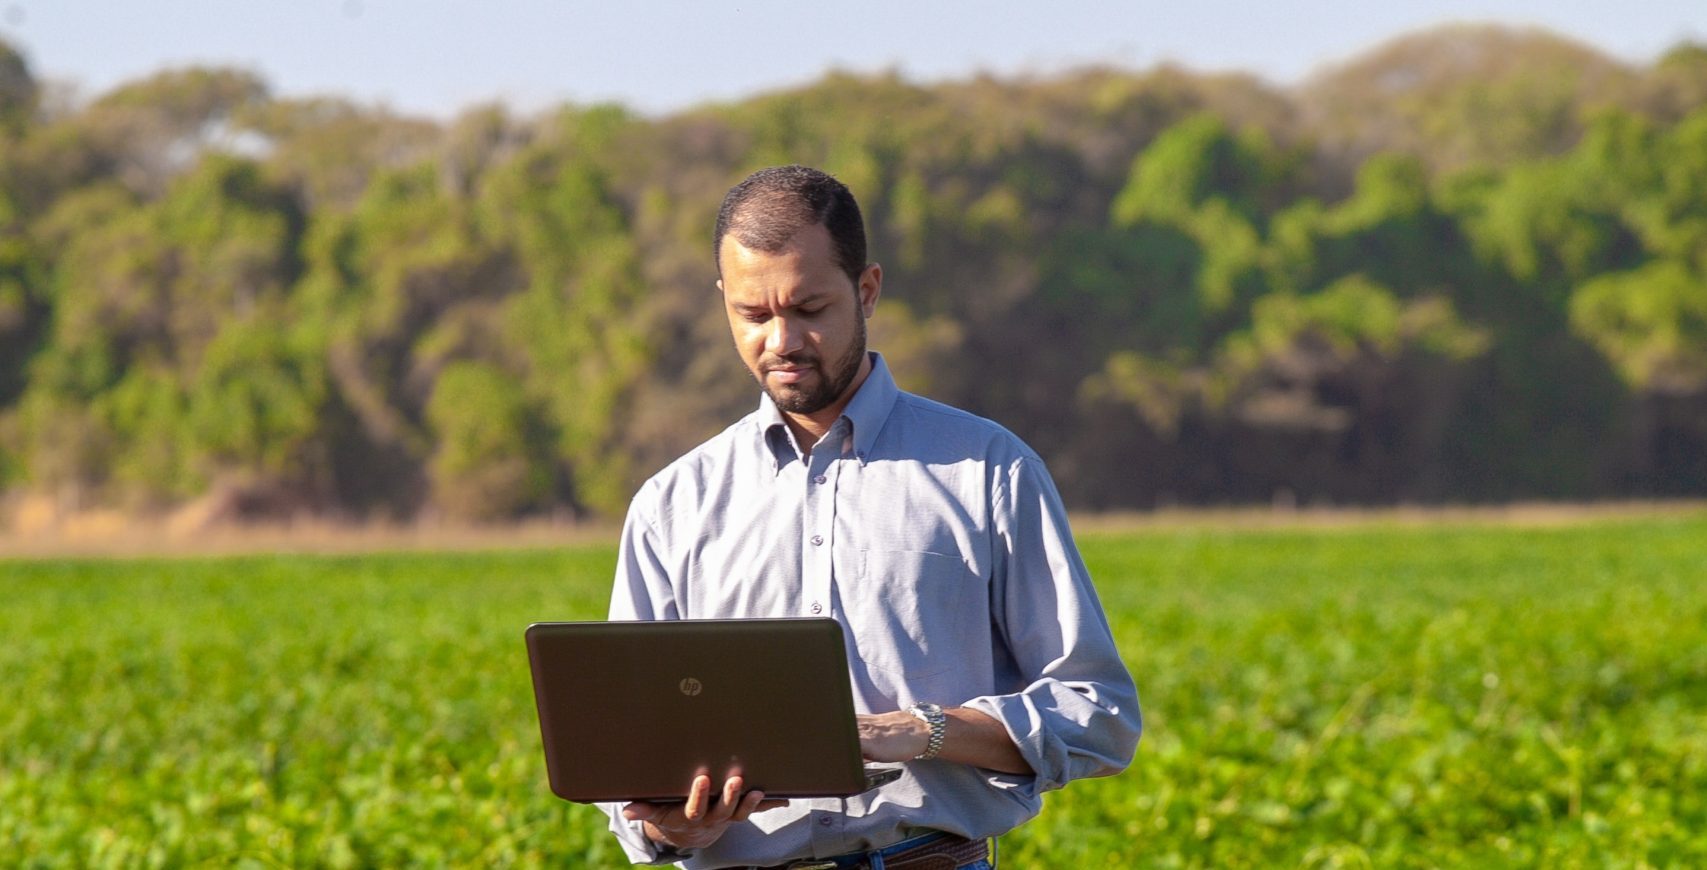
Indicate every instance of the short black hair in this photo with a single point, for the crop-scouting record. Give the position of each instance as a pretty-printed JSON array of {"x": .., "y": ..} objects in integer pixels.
[{"x": 766, "y": 209}]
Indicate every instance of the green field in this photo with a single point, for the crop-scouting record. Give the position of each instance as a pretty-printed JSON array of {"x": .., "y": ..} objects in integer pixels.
[{"x": 1364, "y": 696}]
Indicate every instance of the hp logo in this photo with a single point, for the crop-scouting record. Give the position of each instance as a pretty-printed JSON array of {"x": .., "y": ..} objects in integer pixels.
[{"x": 691, "y": 687}]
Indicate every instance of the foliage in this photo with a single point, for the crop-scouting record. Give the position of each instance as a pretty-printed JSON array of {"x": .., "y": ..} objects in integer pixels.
[
  {"x": 1410, "y": 696},
  {"x": 580, "y": 321},
  {"x": 1465, "y": 95},
  {"x": 488, "y": 464},
  {"x": 1465, "y": 265},
  {"x": 1652, "y": 322}
]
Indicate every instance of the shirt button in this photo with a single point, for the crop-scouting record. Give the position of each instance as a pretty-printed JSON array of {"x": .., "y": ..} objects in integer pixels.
[
  {"x": 817, "y": 540},
  {"x": 824, "y": 820},
  {"x": 817, "y": 608},
  {"x": 820, "y": 480}
]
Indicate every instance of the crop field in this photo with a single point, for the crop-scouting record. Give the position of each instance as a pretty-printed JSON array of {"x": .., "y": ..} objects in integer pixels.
[{"x": 1375, "y": 695}]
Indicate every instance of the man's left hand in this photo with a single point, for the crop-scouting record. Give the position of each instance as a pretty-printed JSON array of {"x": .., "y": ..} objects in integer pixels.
[
  {"x": 897, "y": 736},
  {"x": 973, "y": 738}
]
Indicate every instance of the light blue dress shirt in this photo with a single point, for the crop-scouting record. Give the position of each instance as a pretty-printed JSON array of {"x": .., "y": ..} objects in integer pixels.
[{"x": 939, "y": 542}]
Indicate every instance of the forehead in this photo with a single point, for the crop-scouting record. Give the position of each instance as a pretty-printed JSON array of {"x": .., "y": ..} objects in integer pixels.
[{"x": 805, "y": 263}]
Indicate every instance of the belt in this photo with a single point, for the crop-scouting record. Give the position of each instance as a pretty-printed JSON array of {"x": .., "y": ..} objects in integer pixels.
[{"x": 930, "y": 852}]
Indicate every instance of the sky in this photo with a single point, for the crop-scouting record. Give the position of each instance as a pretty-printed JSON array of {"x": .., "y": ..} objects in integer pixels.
[{"x": 437, "y": 57}]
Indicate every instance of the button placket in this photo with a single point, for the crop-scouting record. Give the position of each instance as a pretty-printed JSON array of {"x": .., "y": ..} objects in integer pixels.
[{"x": 820, "y": 520}]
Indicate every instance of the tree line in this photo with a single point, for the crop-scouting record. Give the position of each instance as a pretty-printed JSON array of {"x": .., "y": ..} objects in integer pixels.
[{"x": 1468, "y": 265}]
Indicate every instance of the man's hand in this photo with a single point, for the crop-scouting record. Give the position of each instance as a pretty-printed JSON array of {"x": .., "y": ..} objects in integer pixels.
[
  {"x": 897, "y": 736},
  {"x": 697, "y": 823},
  {"x": 973, "y": 738}
]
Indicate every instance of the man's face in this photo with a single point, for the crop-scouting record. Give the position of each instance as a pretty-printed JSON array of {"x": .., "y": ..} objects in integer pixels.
[{"x": 798, "y": 322}]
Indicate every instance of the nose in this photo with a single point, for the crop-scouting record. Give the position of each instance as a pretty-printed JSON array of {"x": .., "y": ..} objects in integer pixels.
[{"x": 785, "y": 337}]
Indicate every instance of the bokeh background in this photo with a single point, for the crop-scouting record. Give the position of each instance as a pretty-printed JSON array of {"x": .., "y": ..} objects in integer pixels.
[{"x": 1464, "y": 263}]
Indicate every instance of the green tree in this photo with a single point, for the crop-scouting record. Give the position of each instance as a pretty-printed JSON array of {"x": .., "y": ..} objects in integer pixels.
[
  {"x": 1356, "y": 386},
  {"x": 1219, "y": 189},
  {"x": 1466, "y": 264},
  {"x": 256, "y": 408},
  {"x": 20, "y": 93},
  {"x": 579, "y": 324},
  {"x": 1390, "y": 229},
  {"x": 489, "y": 462},
  {"x": 379, "y": 282},
  {"x": 1463, "y": 95},
  {"x": 140, "y": 291}
]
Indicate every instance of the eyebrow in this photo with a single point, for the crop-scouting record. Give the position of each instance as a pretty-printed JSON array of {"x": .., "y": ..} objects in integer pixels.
[{"x": 811, "y": 298}]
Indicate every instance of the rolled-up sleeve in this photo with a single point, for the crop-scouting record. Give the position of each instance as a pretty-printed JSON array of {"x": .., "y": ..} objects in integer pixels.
[
  {"x": 1077, "y": 715},
  {"x": 635, "y": 844}
]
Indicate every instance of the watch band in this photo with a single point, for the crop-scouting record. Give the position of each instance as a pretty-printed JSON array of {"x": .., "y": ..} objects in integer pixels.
[{"x": 932, "y": 715}]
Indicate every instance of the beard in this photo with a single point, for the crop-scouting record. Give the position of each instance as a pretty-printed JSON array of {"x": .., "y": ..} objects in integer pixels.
[{"x": 830, "y": 384}]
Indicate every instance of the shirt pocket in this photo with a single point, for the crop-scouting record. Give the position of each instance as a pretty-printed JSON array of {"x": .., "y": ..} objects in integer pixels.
[{"x": 913, "y": 610}]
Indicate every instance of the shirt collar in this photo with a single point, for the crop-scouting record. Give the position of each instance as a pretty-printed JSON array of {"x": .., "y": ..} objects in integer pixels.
[{"x": 867, "y": 411}]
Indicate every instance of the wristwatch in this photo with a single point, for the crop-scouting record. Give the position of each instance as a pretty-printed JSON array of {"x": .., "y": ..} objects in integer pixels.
[{"x": 930, "y": 714}]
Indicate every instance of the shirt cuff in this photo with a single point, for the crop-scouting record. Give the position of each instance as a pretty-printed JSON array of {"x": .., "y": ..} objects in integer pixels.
[
  {"x": 1026, "y": 730},
  {"x": 640, "y": 848},
  {"x": 1061, "y": 748}
]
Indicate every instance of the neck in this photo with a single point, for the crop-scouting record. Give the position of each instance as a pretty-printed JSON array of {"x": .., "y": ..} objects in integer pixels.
[{"x": 808, "y": 428}]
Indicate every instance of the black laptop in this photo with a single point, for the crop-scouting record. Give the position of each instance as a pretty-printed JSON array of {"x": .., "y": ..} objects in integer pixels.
[{"x": 634, "y": 710}]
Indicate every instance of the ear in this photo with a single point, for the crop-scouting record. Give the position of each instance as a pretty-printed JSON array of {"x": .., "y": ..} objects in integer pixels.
[
  {"x": 870, "y": 287},
  {"x": 720, "y": 285}
]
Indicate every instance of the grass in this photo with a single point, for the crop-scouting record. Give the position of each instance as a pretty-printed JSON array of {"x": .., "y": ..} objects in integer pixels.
[{"x": 1364, "y": 696}]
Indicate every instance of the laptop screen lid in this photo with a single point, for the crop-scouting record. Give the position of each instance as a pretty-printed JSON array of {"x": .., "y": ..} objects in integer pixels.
[{"x": 635, "y": 710}]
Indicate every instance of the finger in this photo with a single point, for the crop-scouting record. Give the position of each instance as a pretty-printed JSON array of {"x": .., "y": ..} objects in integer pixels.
[
  {"x": 639, "y": 811},
  {"x": 697, "y": 795},
  {"x": 730, "y": 799},
  {"x": 749, "y": 805}
]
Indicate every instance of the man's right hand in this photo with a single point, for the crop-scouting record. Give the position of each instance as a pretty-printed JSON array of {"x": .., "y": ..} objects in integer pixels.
[{"x": 696, "y": 822}]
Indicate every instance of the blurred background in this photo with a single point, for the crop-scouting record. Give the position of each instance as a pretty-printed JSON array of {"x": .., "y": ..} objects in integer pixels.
[{"x": 386, "y": 261}]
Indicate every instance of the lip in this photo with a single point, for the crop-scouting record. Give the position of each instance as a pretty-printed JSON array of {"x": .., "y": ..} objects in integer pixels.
[{"x": 788, "y": 374}]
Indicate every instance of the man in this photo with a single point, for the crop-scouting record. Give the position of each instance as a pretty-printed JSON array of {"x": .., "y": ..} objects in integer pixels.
[{"x": 980, "y": 656}]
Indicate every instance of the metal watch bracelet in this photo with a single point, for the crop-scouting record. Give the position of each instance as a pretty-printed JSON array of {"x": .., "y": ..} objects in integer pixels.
[{"x": 932, "y": 715}]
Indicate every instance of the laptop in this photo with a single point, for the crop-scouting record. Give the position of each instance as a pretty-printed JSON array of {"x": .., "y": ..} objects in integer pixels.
[{"x": 635, "y": 710}]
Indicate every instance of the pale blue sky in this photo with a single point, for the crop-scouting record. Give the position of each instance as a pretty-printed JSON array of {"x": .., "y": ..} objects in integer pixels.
[{"x": 437, "y": 56}]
